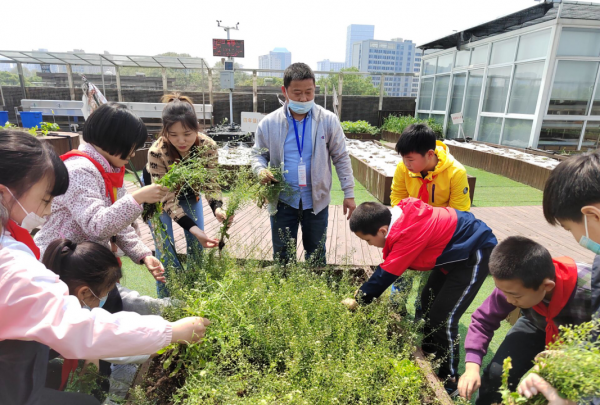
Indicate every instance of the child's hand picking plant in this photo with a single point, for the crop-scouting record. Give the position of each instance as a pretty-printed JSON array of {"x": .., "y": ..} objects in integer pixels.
[{"x": 350, "y": 303}]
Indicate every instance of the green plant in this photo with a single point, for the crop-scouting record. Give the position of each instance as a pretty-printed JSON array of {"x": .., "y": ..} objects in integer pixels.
[
  {"x": 33, "y": 131},
  {"x": 571, "y": 366},
  {"x": 359, "y": 127},
  {"x": 9, "y": 125},
  {"x": 281, "y": 336},
  {"x": 398, "y": 124},
  {"x": 47, "y": 127}
]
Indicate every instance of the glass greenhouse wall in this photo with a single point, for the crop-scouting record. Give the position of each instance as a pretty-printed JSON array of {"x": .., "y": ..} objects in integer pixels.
[{"x": 533, "y": 87}]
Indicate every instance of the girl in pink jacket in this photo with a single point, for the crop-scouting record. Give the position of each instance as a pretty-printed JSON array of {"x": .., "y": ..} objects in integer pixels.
[{"x": 36, "y": 311}]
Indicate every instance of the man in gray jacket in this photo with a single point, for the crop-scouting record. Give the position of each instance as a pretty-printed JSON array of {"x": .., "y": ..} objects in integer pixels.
[{"x": 280, "y": 139}]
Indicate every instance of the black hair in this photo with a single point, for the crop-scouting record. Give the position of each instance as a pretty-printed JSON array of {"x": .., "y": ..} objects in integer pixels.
[
  {"x": 24, "y": 161},
  {"x": 368, "y": 217},
  {"x": 83, "y": 264},
  {"x": 418, "y": 138},
  {"x": 115, "y": 129},
  {"x": 520, "y": 258},
  {"x": 180, "y": 109},
  {"x": 297, "y": 71},
  {"x": 572, "y": 185}
]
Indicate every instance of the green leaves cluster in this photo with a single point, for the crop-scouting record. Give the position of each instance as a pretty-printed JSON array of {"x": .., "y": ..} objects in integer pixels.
[
  {"x": 357, "y": 85},
  {"x": 571, "y": 367},
  {"x": 398, "y": 124},
  {"x": 359, "y": 127},
  {"x": 284, "y": 338}
]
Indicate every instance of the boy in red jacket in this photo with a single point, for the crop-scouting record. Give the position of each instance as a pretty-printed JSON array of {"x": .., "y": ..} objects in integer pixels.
[{"x": 453, "y": 244}]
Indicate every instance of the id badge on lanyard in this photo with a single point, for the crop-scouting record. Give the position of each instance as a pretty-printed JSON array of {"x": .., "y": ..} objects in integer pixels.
[{"x": 301, "y": 165}]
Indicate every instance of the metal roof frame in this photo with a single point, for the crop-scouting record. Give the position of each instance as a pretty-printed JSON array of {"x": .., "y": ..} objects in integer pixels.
[{"x": 98, "y": 59}]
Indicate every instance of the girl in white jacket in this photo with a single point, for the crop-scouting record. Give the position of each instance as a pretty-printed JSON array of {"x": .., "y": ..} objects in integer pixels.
[{"x": 36, "y": 311}]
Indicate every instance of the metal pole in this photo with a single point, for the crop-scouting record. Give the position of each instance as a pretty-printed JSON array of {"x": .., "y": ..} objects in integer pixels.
[
  {"x": 70, "y": 77},
  {"x": 381, "y": 87},
  {"x": 2, "y": 97},
  {"x": 102, "y": 74},
  {"x": 340, "y": 88},
  {"x": 203, "y": 100},
  {"x": 210, "y": 96},
  {"x": 119, "y": 95},
  {"x": 164, "y": 77},
  {"x": 22, "y": 79},
  {"x": 254, "y": 92},
  {"x": 231, "y": 91},
  {"x": 325, "y": 102}
]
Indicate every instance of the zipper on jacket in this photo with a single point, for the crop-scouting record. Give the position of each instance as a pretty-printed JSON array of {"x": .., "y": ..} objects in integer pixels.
[{"x": 433, "y": 193}]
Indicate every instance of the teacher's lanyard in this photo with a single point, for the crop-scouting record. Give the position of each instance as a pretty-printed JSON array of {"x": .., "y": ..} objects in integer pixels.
[{"x": 301, "y": 166}]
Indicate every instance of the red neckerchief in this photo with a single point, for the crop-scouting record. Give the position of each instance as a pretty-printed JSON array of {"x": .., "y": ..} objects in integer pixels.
[
  {"x": 566, "y": 281},
  {"x": 112, "y": 181},
  {"x": 67, "y": 367},
  {"x": 423, "y": 192},
  {"x": 21, "y": 235}
]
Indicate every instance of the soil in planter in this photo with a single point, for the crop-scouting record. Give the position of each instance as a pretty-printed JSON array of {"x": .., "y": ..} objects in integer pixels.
[{"x": 159, "y": 383}]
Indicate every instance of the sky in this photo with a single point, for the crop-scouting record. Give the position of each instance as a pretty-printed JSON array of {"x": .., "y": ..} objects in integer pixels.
[{"x": 312, "y": 30}]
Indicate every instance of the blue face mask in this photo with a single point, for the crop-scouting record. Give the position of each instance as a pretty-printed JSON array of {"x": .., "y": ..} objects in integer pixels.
[
  {"x": 100, "y": 305},
  {"x": 586, "y": 242},
  {"x": 301, "y": 107}
]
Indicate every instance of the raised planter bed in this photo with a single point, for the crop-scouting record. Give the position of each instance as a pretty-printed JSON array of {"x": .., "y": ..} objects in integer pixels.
[
  {"x": 160, "y": 379},
  {"x": 515, "y": 169},
  {"x": 375, "y": 181},
  {"x": 390, "y": 136},
  {"x": 62, "y": 142},
  {"x": 362, "y": 136}
]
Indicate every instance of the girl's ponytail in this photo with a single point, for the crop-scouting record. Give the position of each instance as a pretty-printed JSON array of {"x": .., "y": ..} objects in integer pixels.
[{"x": 86, "y": 263}]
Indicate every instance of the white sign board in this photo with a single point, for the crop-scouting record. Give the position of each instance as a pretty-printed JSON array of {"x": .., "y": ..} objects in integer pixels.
[
  {"x": 250, "y": 121},
  {"x": 457, "y": 118}
]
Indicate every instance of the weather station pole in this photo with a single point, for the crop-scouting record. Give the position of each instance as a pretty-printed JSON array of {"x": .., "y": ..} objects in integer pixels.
[{"x": 230, "y": 59}]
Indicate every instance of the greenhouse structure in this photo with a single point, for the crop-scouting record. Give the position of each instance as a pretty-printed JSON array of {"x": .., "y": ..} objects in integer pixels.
[{"x": 529, "y": 79}]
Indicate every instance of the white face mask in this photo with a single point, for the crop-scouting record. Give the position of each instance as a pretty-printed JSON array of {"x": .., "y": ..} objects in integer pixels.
[{"x": 31, "y": 220}]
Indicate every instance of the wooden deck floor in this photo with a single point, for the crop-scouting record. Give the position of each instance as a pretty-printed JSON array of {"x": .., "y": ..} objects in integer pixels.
[{"x": 251, "y": 234}]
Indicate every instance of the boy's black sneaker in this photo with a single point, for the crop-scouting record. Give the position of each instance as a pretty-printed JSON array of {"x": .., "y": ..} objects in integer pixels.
[{"x": 451, "y": 386}]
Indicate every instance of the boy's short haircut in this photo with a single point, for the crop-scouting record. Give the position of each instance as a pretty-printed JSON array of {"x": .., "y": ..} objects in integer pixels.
[
  {"x": 572, "y": 185},
  {"x": 115, "y": 129},
  {"x": 418, "y": 138},
  {"x": 520, "y": 258},
  {"x": 297, "y": 71},
  {"x": 368, "y": 217}
]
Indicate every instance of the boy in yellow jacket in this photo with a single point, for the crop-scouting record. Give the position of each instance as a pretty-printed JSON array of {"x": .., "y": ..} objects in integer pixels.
[{"x": 428, "y": 171}]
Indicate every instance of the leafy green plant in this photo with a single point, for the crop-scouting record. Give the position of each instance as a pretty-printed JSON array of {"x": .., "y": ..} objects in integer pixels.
[
  {"x": 398, "y": 124},
  {"x": 281, "y": 336},
  {"x": 359, "y": 127},
  {"x": 48, "y": 126},
  {"x": 9, "y": 125},
  {"x": 33, "y": 131},
  {"x": 571, "y": 366}
]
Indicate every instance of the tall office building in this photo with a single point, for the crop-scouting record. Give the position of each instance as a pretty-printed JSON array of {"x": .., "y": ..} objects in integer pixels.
[
  {"x": 357, "y": 33},
  {"x": 277, "y": 59},
  {"x": 395, "y": 56}
]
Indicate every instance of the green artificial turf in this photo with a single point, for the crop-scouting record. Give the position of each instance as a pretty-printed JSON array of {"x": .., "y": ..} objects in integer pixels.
[
  {"x": 137, "y": 278},
  {"x": 492, "y": 190}
]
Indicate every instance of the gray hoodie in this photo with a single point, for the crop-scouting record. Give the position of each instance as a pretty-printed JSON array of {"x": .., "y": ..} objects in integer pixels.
[{"x": 329, "y": 145}]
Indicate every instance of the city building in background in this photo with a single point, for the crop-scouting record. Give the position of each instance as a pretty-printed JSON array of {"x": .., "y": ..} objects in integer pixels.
[
  {"x": 357, "y": 33},
  {"x": 328, "y": 66},
  {"x": 529, "y": 79},
  {"x": 277, "y": 59},
  {"x": 395, "y": 56}
]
